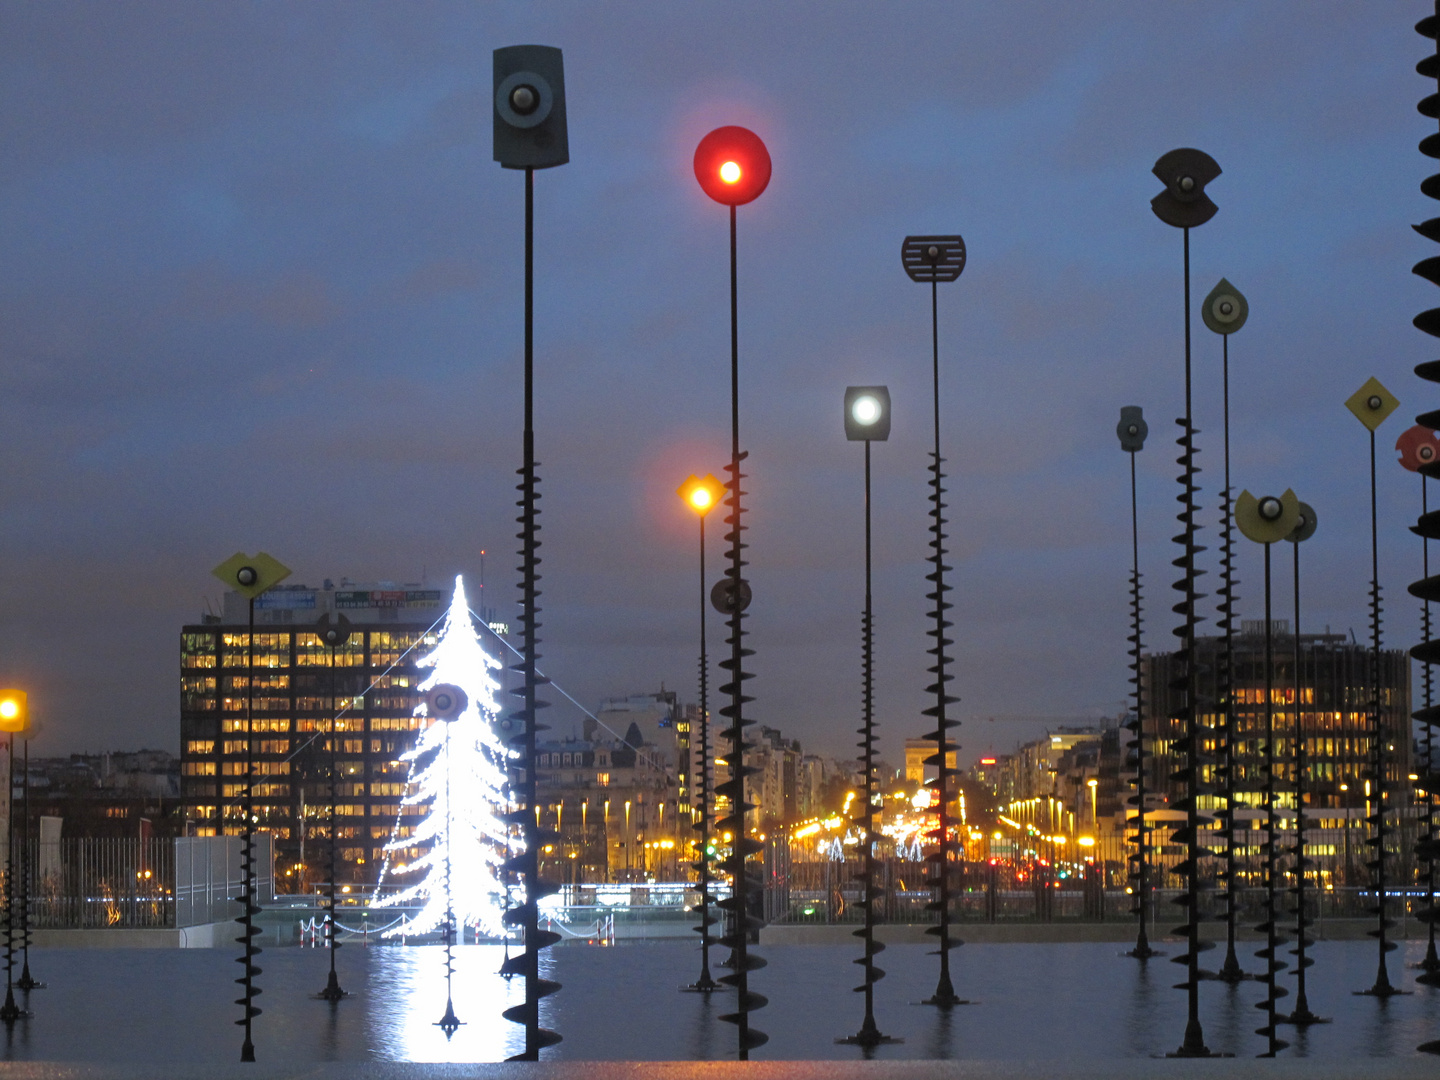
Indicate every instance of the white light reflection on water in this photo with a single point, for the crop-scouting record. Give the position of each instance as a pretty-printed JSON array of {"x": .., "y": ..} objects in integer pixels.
[{"x": 1077, "y": 1002}]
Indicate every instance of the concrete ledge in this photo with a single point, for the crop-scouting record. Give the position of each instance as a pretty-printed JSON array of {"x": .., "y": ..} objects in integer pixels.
[
  {"x": 1330, "y": 1068},
  {"x": 205, "y": 936},
  {"x": 1057, "y": 932}
]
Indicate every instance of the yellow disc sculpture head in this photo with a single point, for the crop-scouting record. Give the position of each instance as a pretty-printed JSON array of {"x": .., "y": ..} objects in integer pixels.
[{"x": 1268, "y": 519}]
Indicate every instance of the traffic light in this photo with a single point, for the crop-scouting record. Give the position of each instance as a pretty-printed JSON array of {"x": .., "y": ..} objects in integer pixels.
[
  {"x": 867, "y": 413},
  {"x": 732, "y": 165},
  {"x": 530, "y": 129},
  {"x": 336, "y": 635},
  {"x": 1418, "y": 446},
  {"x": 14, "y": 711}
]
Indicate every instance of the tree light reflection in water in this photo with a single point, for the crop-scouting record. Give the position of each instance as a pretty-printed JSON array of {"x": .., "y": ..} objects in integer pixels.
[{"x": 1073, "y": 1002}]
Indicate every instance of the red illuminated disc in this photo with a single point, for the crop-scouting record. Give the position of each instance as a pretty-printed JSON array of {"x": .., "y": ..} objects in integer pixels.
[
  {"x": 732, "y": 165},
  {"x": 1418, "y": 446}
]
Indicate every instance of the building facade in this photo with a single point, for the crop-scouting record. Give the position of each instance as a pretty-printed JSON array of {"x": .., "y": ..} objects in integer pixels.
[
  {"x": 1333, "y": 710},
  {"x": 368, "y": 697}
]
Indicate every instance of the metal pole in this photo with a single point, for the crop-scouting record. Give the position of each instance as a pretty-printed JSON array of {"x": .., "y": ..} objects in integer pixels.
[
  {"x": 1230, "y": 971},
  {"x": 1376, "y": 773},
  {"x": 705, "y": 983},
  {"x": 332, "y": 991},
  {"x": 1271, "y": 855},
  {"x": 26, "y": 980},
  {"x": 247, "y": 853},
  {"x": 1142, "y": 949},
  {"x": 10, "y": 1011}
]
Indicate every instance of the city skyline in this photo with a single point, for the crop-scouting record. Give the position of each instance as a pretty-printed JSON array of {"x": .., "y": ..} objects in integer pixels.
[{"x": 264, "y": 284}]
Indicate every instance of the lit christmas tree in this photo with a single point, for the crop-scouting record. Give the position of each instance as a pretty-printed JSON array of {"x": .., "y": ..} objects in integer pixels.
[{"x": 457, "y": 770}]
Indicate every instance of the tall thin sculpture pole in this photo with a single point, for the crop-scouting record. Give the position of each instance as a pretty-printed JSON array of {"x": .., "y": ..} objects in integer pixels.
[
  {"x": 1184, "y": 205},
  {"x": 530, "y": 132},
  {"x": 933, "y": 259},
  {"x": 1224, "y": 311},
  {"x": 867, "y": 419},
  {"x": 1371, "y": 404},
  {"x": 1132, "y": 430},
  {"x": 1302, "y": 1015}
]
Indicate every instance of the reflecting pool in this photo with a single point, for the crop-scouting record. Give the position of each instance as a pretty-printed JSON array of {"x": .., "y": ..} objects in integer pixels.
[{"x": 1037, "y": 1001}]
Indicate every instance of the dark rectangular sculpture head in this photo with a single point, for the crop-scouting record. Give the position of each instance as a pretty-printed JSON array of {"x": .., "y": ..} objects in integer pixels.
[
  {"x": 933, "y": 258},
  {"x": 529, "y": 107}
]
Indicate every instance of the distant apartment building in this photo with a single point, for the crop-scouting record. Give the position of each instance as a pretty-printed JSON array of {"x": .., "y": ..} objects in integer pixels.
[
  {"x": 1333, "y": 709},
  {"x": 372, "y": 688}
]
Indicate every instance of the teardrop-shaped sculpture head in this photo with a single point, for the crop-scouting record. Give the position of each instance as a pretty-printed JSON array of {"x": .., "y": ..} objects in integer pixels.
[
  {"x": 1225, "y": 309},
  {"x": 1132, "y": 428},
  {"x": 1268, "y": 518},
  {"x": 1306, "y": 527}
]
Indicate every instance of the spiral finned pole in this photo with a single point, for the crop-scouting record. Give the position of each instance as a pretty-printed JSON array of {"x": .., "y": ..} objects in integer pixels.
[
  {"x": 945, "y": 748},
  {"x": 1189, "y": 745},
  {"x": 705, "y": 983},
  {"x": 249, "y": 909},
  {"x": 26, "y": 982},
  {"x": 449, "y": 1023},
  {"x": 10, "y": 1010},
  {"x": 740, "y": 922},
  {"x": 1375, "y": 771},
  {"x": 1425, "y": 849},
  {"x": 1133, "y": 430},
  {"x": 1230, "y": 971},
  {"x": 1428, "y": 527},
  {"x": 526, "y": 862},
  {"x": 1270, "y": 849}
]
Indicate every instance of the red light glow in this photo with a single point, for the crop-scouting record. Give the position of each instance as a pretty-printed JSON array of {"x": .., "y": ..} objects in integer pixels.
[{"x": 732, "y": 165}]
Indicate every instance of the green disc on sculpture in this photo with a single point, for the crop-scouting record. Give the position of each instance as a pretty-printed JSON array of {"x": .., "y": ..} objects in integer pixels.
[
  {"x": 1268, "y": 518},
  {"x": 1372, "y": 403},
  {"x": 1225, "y": 309},
  {"x": 1306, "y": 528},
  {"x": 251, "y": 575}
]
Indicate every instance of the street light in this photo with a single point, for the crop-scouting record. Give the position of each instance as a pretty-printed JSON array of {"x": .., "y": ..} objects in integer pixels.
[
  {"x": 867, "y": 420},
  {"x": 732, "y": 166},
  {"x": 14, "y": 720},
  {"x": 702, "y": 496},
  {"x": 250, "y": 576},
  {"x": 530, "y": 132}
]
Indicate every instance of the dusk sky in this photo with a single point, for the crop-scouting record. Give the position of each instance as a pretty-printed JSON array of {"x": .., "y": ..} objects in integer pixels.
[{"x": 261, "y": 289}]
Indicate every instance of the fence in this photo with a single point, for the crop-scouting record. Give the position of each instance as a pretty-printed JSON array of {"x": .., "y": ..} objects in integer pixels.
[{"x": 133, "y": 883}]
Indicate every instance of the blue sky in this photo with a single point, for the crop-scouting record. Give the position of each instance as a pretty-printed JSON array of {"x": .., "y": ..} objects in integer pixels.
[{"x": 261, "y": 290}]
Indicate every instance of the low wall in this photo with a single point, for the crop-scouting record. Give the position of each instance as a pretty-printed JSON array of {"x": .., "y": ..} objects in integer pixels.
[
  {"x": 205, "y": 936},
  {"x": 997, "y": 933}
]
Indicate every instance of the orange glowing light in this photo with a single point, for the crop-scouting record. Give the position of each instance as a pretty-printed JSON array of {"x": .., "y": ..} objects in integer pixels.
[
  {"x": 730, "y": 172},
  {"x": 701, "y": 495}
]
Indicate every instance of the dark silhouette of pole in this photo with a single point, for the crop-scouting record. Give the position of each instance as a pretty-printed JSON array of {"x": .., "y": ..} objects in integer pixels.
[
  {"x": 250, "y": 909},
  {"x": 1270, "y": 852},
  {"x": 10, "y": 1011},
  {"x": 1371, "y": 404},
  {"x": 933, "y": 259},
  {"x": 1183, "y": 204},
  {"x": 26, "y": 981},
  {"x": 1132, "y": 430},
  {"x": 1225, "y": 311},
  {"x": 1302, "y": 1015},
  {"x": 867, "y": 417},
  {"x": 700, "y": 496},
  {"x": 333, "y": 637}
]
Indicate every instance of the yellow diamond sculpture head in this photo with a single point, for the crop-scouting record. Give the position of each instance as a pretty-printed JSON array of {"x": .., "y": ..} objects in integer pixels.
[
  {"x": 251, "y": 575},
  {"x": 1372, "y": 403}
]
